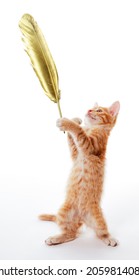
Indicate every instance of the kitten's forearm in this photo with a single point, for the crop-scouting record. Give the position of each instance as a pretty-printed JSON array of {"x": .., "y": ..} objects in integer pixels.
[
  {"x": 81, "y": 139},
  {"x": 72, "y": 146}
]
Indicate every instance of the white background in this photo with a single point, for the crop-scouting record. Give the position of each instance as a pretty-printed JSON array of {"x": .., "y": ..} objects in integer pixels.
[{"x": 95, "y": 45}]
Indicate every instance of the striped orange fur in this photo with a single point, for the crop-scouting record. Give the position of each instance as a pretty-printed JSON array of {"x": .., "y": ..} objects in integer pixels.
[{"x": 88, "y": 148}]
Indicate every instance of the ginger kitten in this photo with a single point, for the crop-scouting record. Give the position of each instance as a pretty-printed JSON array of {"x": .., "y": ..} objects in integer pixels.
[{"x": 88, "y": 148}]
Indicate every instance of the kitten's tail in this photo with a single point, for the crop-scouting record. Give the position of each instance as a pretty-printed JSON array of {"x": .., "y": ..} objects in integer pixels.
[{"x": 45, "y": 217}]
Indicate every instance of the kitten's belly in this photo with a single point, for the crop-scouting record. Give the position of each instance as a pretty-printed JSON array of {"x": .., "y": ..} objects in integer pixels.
[
  {"x": 87, "y": 171},
  {"x": 85, "y": 181}
]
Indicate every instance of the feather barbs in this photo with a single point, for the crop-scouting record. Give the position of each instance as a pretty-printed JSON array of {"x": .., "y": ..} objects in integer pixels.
[{"x": 40, "y": 57}]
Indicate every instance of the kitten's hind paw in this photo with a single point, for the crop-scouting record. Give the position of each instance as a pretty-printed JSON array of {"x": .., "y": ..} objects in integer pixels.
[
  {"x": 53, "y": 241},
  {"x": 109, "y": 241},
  {"x": 49, "y": 241},
  {"x": 58, "y": 239}
]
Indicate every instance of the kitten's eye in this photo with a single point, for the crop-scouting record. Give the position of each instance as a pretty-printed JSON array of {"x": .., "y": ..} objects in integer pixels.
[{"x": 98, "y": 110}]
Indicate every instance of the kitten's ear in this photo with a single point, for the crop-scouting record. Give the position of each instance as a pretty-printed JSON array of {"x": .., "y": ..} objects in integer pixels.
[
  {"x": 114, "y": 109},
  {"x": 96, "y": 105}
]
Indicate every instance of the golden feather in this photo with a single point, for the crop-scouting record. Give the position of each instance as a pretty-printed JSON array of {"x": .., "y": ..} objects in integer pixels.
[{"x": 41, "y": 58}]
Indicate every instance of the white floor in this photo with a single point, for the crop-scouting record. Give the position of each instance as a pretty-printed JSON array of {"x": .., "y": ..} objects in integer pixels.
[{"x": 22, "y": 235}]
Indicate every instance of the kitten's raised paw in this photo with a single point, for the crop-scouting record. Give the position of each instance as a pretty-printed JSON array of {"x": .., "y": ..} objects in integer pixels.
[
  {"x": 61, "y": 123},
  {"x": 109, "y": 241},
  {"x": 77, "y": 120}
]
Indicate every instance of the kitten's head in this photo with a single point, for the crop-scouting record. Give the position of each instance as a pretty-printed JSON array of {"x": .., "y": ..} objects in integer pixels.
[{"x": 102, "y": 116}]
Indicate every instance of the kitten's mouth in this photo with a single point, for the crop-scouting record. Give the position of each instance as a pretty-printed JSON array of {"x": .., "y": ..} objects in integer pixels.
[{"x": 90, "y": 116}]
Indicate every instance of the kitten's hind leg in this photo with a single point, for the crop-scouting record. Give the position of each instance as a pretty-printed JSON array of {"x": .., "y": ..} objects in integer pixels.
[
  {"x": 69, "y": 222},
  {"x": 61, "y": 238},
  {"x": 96, "y": 221}
]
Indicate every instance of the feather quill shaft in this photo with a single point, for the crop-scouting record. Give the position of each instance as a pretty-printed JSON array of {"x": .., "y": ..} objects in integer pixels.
[{"x": 41, "y": 58}]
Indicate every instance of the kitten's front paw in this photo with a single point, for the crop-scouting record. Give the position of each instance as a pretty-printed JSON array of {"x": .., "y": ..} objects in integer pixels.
[
  {"x": 62, "y": 124},
  {"x": 77, "y": 120}
]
